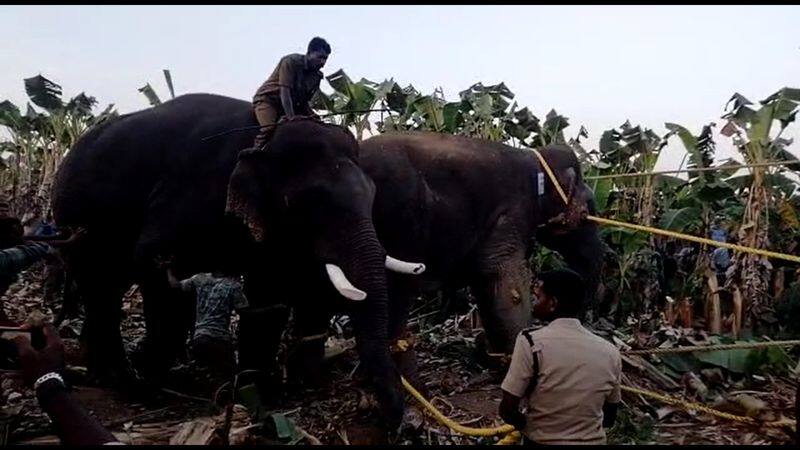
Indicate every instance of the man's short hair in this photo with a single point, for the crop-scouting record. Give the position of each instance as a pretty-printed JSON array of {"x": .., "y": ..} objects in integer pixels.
[
  {"x": 566, "y": 286},
  {"x": 319, "y": 45}
]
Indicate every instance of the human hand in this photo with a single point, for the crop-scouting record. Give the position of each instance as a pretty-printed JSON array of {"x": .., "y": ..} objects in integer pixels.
[
  {"x": 77, "y": 234},
  {"x": 35, "y": 363},
  {"x": 163, "y": 262}
]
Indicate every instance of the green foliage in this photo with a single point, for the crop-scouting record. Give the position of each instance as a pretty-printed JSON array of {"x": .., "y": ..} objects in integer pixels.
[
  {"x": 39, "y": 140},
  {"x": 787, "y": 310},
  {"x": 629, "y": 430},
  {"x": 772, "y": 360},
  {"x": 485, "y": 112},
  {"x": 43, "y": 130},
  {"x": 150, "y": 93},
  {"x": 684, "y": 220},
  {"x": 546, "y": 259},
  {"x": 44, "y": 93}
]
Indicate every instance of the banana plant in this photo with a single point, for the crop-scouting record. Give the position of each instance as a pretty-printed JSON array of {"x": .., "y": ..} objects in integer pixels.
[
  {"x": 150, "y": 93},
  {"x": 751, "y": 131},
  {"x": 351, "y": 104},
  {"x": 695, "y": 201},
  {"x": 39, "y": 140}
]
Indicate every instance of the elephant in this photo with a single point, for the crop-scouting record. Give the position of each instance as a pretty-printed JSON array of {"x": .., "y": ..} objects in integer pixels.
[
  {"x": 294, "y": 218},
  {"x": 472, "y": 210}
]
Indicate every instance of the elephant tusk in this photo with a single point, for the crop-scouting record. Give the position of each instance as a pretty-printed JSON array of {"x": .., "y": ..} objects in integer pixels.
[
  {"x": 395, "y": 265},
  {"x": 342, "y": 284}
]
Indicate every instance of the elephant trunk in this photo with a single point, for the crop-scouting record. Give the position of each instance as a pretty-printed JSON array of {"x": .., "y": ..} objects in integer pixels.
[
  {"x": 363, "y": 261},
  {"x": 582, "y": 250}
]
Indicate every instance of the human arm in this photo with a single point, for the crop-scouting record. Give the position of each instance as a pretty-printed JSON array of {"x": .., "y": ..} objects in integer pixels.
[
  {"x": 80, "y": 232},
  {"x": 516, "y": 384},
  {"x": 611, "y": 404},
  {"x": 239, "y": 299},
  {"x": 15, "y": 259},
  {"x": 73, "y": 424},
  {"x": 609, "y": 414},
  {"x": 184, "y": 285},
  {"x": 308, "y": 111},
  {"x": 172, "y": 280},
  {"x": 509, "y": 410},
  {"x": 286, "y": 79},
  {"x": 286, "y": 102}
]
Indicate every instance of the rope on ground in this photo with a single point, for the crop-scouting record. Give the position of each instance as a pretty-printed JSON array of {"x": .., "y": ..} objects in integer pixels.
[
  {"x": 455, "y": 426},
  {"x": 711, "y": 348},
  {"x": 700, "y": 169},
  {"x": 673, "y": 234},
  {"x": 510, "y": 439},
  {"x": 705, "y": 409}
]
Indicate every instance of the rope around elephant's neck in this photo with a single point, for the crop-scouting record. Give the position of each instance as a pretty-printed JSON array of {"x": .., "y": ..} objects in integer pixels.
[
  {"x": 552, "y": 176},
  {"x": 668, "y": 233}
]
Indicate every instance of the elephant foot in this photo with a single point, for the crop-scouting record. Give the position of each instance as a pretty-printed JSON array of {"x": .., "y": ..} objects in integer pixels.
[
  {"x": 150, "y": 362},
  {"x": 119, "y": 375}
]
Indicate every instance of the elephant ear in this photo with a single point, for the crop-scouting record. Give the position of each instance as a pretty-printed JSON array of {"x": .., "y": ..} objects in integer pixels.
[{"x": 247, "y": 192}]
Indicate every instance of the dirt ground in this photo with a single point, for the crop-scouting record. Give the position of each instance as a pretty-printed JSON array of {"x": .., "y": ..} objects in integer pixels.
[{"x": 341, "y": 411}]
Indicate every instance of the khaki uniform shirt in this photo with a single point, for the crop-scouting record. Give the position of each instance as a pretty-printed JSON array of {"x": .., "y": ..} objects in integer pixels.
[
  {"x": 291, "y": 72},
  {"x": 577, "y": 372}
]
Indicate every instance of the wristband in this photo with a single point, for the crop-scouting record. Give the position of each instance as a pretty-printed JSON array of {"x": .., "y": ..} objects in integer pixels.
[
  {"x": 47, "y": 386},
  {"x": 48, "y": 376}
]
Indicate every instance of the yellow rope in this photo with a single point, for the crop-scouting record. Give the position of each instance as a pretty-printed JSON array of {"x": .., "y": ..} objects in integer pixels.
[
  {"x": 510, "y": 439},
  {"x": 552, "y": 176},
  {"x": 701, "y": 169},
  {"x": 704, "y": 409},
  {"x": 314, "y": 337},
  {"x": 668, "y": 233},
  {"x": 449, "y": 423},
  {"x": 512, "y": 436},
  {"x": 700, "y": 240},
  {"x": 711, "y": 348}
]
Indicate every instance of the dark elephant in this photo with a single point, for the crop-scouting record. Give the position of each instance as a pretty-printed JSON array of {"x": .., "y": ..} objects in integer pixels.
[
  {"x": 294, "y": 219},
  {"x": 472, "y": 210}
]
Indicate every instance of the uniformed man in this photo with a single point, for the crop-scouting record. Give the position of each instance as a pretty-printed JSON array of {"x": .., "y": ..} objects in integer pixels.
[
  {"x": 568, "y": 377},
  {"x": 288, "y": 91}
]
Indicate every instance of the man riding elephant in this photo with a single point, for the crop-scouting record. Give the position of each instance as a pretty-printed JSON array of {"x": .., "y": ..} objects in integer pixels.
[
  {"x": 301, "y": 226},
  {"x": 289, "y": 89},
  {"x": 295, "y": 219}
]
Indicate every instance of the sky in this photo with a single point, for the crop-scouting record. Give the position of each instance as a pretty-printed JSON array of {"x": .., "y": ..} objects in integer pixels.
[{"x": 598, "y": 65}]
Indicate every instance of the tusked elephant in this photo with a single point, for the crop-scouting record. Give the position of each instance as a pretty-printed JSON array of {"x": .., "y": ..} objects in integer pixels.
[
  {"x": 295, "y": 219},
  {"x": 472, "y": 210}
]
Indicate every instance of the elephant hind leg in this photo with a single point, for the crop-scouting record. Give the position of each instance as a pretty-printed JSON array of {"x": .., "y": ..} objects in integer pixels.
[{"x": 101, "y": 285}]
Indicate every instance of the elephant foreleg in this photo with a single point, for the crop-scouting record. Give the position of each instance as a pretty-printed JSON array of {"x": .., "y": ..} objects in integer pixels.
[
  {"x": 306, "y": 356},
  {"x": 402, "y": 341},
  {"x": 259, "y": 336},
  {"x": 168, "y": 316},
  {"x": 261, "y": 325}
]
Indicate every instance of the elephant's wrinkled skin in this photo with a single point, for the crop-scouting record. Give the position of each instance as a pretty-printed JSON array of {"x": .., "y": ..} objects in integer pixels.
[
  {"x": 147, "y": 184},
  {"x": 470, "y": 210}
]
